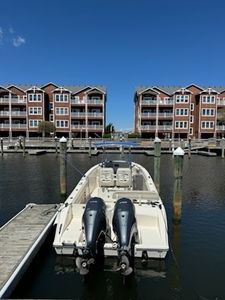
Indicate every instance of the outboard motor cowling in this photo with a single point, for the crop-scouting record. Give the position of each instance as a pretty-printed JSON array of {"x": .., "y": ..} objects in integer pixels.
[
  {"x": 125, "y": 228},
  {"x": 124, "y": 223},
  {"x": 94, "y": 222}
]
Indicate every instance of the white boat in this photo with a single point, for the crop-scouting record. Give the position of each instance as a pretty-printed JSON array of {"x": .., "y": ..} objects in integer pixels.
[{"x": 114, "y": 211}]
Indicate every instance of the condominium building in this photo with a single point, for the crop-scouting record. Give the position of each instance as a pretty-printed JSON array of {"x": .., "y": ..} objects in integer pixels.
[
  {"x": 179, "y": 112},
  {"x": 76, "y": 111}
]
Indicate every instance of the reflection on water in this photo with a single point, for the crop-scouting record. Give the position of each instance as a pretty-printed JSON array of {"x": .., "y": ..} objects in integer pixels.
[{"x": 195, "y": 267}]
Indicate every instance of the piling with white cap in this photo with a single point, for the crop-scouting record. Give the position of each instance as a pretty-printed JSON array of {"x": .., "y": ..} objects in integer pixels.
[
  {"x": 177, "y": 192},
  {"x": 63, "y": 166}
]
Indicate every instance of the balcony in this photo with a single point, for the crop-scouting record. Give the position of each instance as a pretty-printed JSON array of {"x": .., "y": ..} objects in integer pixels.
[
  {"x": 221, "y": 102},
  {"x": 14, "y": 99},
  {"x": 153, "y": 127},
  {"x": 78, "y": 101},
  {"x": 95, "y": 115},
  {"x": 78, "y": 114},
  {"x": 160, "y": 102},
  {"x": 95, "y": 101},
  {"x": 13, "y": 126},
  {"x": 89, "y": 127},
  {"x": 160, "y": 115}
]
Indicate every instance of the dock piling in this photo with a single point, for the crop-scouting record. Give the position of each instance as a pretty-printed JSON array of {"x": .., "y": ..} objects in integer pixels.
[
  {"x": 56, "y": 145},
  {"x": 189, "y": 147},
  {"x": 24, "y": 145},
  {"x": 89, "y": 148},
  {"x": 2, "y": 149},
  {"x": 222, "y": 144},
  {"x": 157, "y": 154},
  {"x": 63, "y": 166},
  {"x": 177, "y": 193}
]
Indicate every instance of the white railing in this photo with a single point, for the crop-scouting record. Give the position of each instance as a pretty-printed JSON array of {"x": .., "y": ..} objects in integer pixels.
[
  {"x": 153, "y": 127},
  {"x": 16, "y": 99},
  {"x": 18, "y": 126},
  {"x": 159, "y": 114},
  {"x": 89, "y": 101},
  {"x": 221, "y": 102},
  {"x": 82, "y": 128},
  {"x": 94, "y": 114},
  {"x": 78, "y": 114},
  {"x": 160, "y": 102},
  {"x": 4, "y": 113},
  {"x": 220, "y": 127},
  {"x": 2, "y": 126},
  {"x": 78, "y": 101}
]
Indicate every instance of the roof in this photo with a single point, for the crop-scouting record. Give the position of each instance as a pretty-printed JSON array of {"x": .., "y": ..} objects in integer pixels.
[
  {"x": 172, "y": 89},
  {"x": 72, "y": 88}
]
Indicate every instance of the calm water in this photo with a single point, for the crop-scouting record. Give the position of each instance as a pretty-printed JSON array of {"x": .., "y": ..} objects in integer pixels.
[{"x": 195, "y": 267}]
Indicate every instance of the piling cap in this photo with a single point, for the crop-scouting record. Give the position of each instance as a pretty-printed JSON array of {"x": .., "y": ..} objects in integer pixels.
[
  {"x": 179, "y": 151},
  {"x": 157, "y": 140},
  {"x": 63, "y": 140}
]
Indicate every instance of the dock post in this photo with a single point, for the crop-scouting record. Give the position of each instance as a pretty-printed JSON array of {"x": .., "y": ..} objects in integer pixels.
[
  {"x": 170, "y": 144},
  {"x": 177, "y": 192},
  {"x": 189, "y": 147},
  {"x": 2, "y": 150},
  {"x": 63, "y": 169},
  {"x": 157, "y": 154},
  {"x": 56, "y": 145},
  {"x": 222, "y": 143},
  {"x": 24, "y": 145},
  {"x": 89, "y": 144}
]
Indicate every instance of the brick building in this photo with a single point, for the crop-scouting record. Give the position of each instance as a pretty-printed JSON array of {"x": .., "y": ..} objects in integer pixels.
[
  {"x": 179, "y": 112},
  {"x": 76, "y": 111}
]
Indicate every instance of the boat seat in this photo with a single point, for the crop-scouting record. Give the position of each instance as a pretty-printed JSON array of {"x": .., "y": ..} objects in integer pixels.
[
  {"x": 106, "y": 177},
  {"x": 123, "y": 177}
]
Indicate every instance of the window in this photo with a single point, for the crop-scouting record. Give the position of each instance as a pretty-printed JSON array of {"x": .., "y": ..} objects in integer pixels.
[
  {"x": 208, "y": 112},
  {"x": 207, "y": 124},
  {"x": 62, "y": 123},
  {"x": 191, "y": 119},
  {"x": 181, "y": 124},
  {"x": 192, "y": 106},
  {"x": 35, "y": 110},
  {"x": 191, "y": 131},
  {"x": 181, "y": 112},
  {"x": 51, "y": 118},
  {"x": 208, "y": 99},
  {"x": 34, "y": 123},
  {"x": 182, "y": 98},
  {"x": 61, "y": 111},
  {"x": 34, "y": 97},
  {"x": 61, "y": 97}
]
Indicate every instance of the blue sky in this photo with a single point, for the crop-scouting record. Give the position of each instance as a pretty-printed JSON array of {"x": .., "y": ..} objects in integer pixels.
[{"x": 121, "y": 44}]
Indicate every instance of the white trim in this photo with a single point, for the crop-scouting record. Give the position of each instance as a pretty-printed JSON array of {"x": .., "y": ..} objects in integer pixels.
[
  {"x": 58, "y": 123},
  {"x": 32, "y": 110},
  {"x": 210, "y": 110},
  {"x": 209, "y": 123},
  {"x": 182, "y": 109}
]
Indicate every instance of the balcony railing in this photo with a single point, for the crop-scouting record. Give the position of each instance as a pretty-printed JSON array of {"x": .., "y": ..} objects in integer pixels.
[
  {"x": 83, "y": 127},
  {"x": 13, "y": 113},
  {"x": 78, "y": 114},
  {"x": 150, "y": 115},
  {"x": 220, "y": 127},
  {"x": 220, "y": 102},
  {"x": 95, "y": 115},
  {"x": 153, "y": 127},
  {"x": 78, "y": 101},
  {"x": 16, "y": 99},
  {"x": 160, "y": 102},
  {"x": 13, "y": 126},
  {"x": 96, "y": 101}
]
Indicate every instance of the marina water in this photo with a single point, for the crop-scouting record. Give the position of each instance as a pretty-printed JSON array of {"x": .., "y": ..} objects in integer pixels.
[{"x": 194, "y": 267}]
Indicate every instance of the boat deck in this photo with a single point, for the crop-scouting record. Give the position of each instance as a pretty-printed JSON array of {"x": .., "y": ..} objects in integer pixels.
[{"x": 20, "y": 240}]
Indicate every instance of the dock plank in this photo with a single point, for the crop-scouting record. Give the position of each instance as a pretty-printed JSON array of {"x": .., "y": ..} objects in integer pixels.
[{"x": 19, "y": 235}]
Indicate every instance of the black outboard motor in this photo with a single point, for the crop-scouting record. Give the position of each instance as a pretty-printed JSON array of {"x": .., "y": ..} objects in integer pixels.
[
  {"x": 95, "y": 226},
  {"x": 125, "y": 228}
]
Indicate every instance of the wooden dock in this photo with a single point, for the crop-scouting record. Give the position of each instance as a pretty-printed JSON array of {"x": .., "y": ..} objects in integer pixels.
[{"x": 20, "y": 240}]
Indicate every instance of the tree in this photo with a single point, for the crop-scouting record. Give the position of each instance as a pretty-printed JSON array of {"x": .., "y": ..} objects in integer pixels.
[
  {"x": 109, "y": 128},
  {"x": 46, "y": 127}
]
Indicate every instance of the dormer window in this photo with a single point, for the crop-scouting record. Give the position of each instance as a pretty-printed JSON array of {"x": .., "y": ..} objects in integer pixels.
[
  {"x": 182, "y": 98},
  {"x": 61, "y": 97},
  {"x": 34, "y": 97}
]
